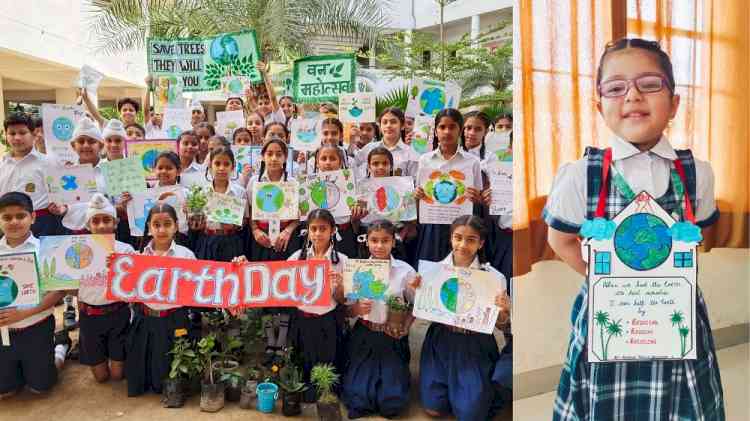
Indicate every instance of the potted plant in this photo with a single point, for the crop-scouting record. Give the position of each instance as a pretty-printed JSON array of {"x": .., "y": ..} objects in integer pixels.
[
  {"x": 292, "y": 386},
  {"x": 195, "y": 200},
  {"x": 212, "y": 391},
  {"x": 232, "y": 384},
  {"x": 185, "y": 366},
  {"x": 398, "y": 312},
  {"x": 324, "y": 377},
  {"x": 249, "y": 392}
]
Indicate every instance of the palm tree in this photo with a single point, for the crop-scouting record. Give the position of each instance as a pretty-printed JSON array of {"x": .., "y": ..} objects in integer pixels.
[
  {"x": 602, "y": 319},
  {"x": 613, "y": 329},
  {"x": 495, "y": 71},
  {"x": 284, "y": 27},
  {"x": 676, "y": 318}
]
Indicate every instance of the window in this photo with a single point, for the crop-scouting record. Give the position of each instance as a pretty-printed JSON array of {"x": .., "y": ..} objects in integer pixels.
[
  {"x": 426, "y": 57},
  {"x": 602, "y": 263},
  {"x": 683, "y": 259}
]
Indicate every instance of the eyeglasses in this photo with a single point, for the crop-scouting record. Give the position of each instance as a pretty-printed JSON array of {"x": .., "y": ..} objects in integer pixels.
[{"x": 645, "y": 84}]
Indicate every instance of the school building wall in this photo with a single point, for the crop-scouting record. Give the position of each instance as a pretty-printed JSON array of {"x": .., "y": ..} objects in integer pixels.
[{"x": 543, "y": 299}]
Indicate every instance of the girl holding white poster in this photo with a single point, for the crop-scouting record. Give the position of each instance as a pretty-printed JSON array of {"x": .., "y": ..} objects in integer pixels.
[
  {"x": 457, "y": 365},
  {"x": 637, "y": 100}
]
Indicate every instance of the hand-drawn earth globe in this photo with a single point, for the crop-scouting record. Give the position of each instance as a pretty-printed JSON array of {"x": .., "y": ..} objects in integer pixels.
[
  {"x": 270, "y": 198},
  {"x": 432, "y": 100},
  {"x": 451, "y": 300},
  {"x": 63, "y": 128},
  {"x": 174, "y": 131},
  {"x": 8, "y": 291},
  {"x": 643, "y": 241},
  {"x": 355, "y": 111},
  {"x": 79, "y": 256},
  {"x": 386, "y": 199},
  {"x": 420, "y": 145},
  {"x": 367, "y": 286},
  {"x": 325, "y": 194},
  {"x": 224, "y": 49},
  {"x": 445, "y": 191},
  {"x": 148, "y": 159},
  {"x": 235, "y": 86}
]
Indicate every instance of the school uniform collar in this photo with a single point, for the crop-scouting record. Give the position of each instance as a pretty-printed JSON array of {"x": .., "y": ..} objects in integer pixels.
[
  {"x": 149, "y": 249},
  {"x": 29, "y": 243},
  {"x": 438, "y": 156},
  {"x": 474, "y": 265},
  {"x": 622, "y": 149},
  {"x": 327, "y": 254},
  {"x": 399, "y": 145},
  {"x": 194, "y": 166},
  {"x": 33, "y": 154},
  {"x": 475, "y": 150}
]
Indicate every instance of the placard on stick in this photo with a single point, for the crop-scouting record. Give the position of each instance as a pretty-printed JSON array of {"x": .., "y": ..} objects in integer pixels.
[{"x": 323, "y": 78}]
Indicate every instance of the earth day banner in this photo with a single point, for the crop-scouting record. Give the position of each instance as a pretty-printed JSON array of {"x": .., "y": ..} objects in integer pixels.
[
  {"x": 323, "y": 78},
  {"x": 201, "y": 63}
]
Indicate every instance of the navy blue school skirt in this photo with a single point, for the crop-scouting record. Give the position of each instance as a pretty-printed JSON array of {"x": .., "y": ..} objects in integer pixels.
[
  {"x": 433, "y": 242},
  {"x": 455, "y": 373},
  {"x": 377, "y": 379},
  {"x": 500, "y": 248},
  {"x": 149, "y": 341},
  {"x": 257, "y": 253},
  {"x": 219, "y": 247}
]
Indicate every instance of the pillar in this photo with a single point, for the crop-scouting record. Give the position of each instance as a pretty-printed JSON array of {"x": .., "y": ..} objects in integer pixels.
[
  {"x": 2, "y": 100},
  {"x": 475, "y": 31}
]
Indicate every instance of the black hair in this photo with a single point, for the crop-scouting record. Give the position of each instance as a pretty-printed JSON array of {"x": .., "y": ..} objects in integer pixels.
[
  {"x": 187, "y": 133},
  {"x": 336, "y": 122},
  {"x": 18, "y": 119},
  {"x": 241, "y": 130},
  {"x": 294, "y": 108},
  {"x": 221, "y": 150},
  {"x": 158, "y": 208},
  {"x": 326, "y": 216},
  {"x": 15, "y": 198},
  {"x": 454, "y": 115},
  {"x": 276, "y": 123},
  {"x": 130, "y": 101},
  {"x": 137, "y": 126},
  {"x": 237, "y": 98},
  {"x": 376, "y": 127},
  {"x": 172, "y": 157},
  {"x": 380, "y": 150},
  {"x": 508, "y": 116},
  {"x": 477, "y": 224},
  {"x": 487, "y": 124},
  {"x": 205, "y": 125},
  {"x": 651, "y": 46},
  {"x": 340, "y": 152},
  {"x": 399, "y": 115},
  {"x": 379, "y": 225},
  {"x": 37, "y": 122},
  {"x": 284, "y": 149}
]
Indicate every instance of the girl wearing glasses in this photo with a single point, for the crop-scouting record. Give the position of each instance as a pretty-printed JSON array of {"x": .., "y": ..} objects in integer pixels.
[{"x": 637, "y": 100}]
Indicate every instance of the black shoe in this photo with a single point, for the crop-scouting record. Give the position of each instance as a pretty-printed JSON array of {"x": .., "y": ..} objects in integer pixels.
[
  {"x": 69, "y": 318},
  {"x": 63, "y": 338}
]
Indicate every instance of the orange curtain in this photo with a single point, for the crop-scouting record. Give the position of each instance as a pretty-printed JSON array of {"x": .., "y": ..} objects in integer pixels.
[{"x": 557, "y": 48}]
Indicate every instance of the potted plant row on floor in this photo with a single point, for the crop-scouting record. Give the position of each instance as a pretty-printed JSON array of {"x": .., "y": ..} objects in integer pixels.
[{"x": 324, "y": 377}]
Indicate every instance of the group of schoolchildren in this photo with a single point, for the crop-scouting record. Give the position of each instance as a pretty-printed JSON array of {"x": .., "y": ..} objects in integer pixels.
[{"x": 461, "y": 372}]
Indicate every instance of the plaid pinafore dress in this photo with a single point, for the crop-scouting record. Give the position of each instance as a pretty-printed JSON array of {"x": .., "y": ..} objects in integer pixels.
[{"x": 640, "y": 391}]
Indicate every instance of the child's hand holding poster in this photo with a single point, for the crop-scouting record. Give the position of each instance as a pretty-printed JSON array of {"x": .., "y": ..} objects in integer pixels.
[
  {"x": 642, "y": 284},
  {"x": 458, "y": 297},
  {"x": 70, "y": 260},
  {"x": 445, "y": 194},
  {"x": 275, "y": 201}
]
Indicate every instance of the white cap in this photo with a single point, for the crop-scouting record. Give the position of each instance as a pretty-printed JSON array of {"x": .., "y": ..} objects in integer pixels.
[
  {"x": 196, "y": 105},
  {"x": 99, "y": 205},
  {"x": 114, "y": 127},
  {"x": 86, "y": 127}
]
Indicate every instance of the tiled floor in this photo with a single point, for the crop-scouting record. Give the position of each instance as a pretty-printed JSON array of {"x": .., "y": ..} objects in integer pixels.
[{"x": 734, "y": 363}]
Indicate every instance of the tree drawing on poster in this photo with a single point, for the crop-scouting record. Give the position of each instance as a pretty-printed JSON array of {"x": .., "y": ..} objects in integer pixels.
[
  {"x": 235, "y": 86},
  {"x": 428, "y": 97},
  {"x": 332, "y": 190},
  {"x": 458, "y": 297},
  {"x": 445, "y": 195},
  {"x": 323, "y": 78},
  {"x": 366, "y": 279},
  {"x": 357, "y": 108},
  {"x": 123, "y": 175},
  {"x": 421, "y": 141},
  {"x": 167, "y": 93},
  {"x": 70, "y": 260},
  {"x": 19, "y": 280},
  {"x": 141, "y": 204},
  {"x": 201, "y": 63},
  {"x": 498, "y": 145},
  {"x": 390, "y": 198},
  {"x": 229, "y": 121},
  {"x": 176, "y": 121},
  {"x": 147, "y": 151},
  {"x": 642, "y": 270},
  {"x": 225, "y": 209},
  {"x": 275, "y": 200},
  {"x": 59, "y": 122},
  {"x": 72, "y": 184},
  {"x": 305, "y": 134}
]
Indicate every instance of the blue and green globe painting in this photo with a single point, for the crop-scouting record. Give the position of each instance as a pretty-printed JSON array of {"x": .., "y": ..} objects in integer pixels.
[
  {"x": 432, "y": 100},
  {"x": 8, "y": 291},
  {"x": 224, "y": 49},
  {"x": 643, "y": 241},
  {"x": 270, "y": 198},
  {"x": 449, "y": 294},
  {"x": 148, "y": 159}
]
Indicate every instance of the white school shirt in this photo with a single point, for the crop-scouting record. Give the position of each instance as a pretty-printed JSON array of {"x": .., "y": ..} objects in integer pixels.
[
  {"x": 335, "y": 267},
  {"x": 434, "y": 161},
  {"x": 194, "y": 175},
  {"x": 399, "y": 276},
  {"x": 95, "y": 295},
  {"x": 30, "y": 244},
  {"x": 175, "y": 250},
  {"x": 476, "y": 265},
  {"x": 404, "y": 156},
  {"x": 26, "y": 175},
  {"x": 649, "y": 171},
  {"x": 476, "y": 151},
  {"x": 234, "y": 190}
]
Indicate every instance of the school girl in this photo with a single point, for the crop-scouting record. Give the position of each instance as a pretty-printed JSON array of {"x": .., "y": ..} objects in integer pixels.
[
  {"x": 254, "y": 124},
  {"x": 392, "y": 127},
  {"x": 433, "y": 239},
  {"x": 203, "y": 131},
  {"x": 211, "y": 240},
  {"x": 332, "y": 134},
  {"x": 377, "y": 378},
  {"x": 636, "y": 99},
  {"x": 456, "y": 365},
  {"x": 103, "y": 323},
  {"x": 192, "y": 172},
  {"x": 155, "y": 326},
  {"x": 317, "y": 331},
  {"x": 476, "y": 127}
]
